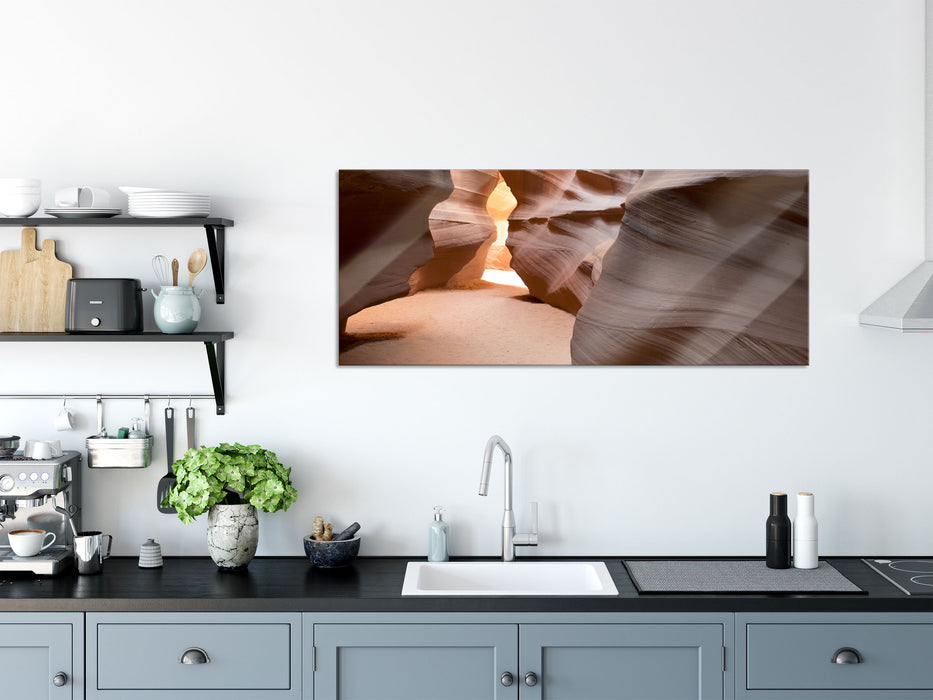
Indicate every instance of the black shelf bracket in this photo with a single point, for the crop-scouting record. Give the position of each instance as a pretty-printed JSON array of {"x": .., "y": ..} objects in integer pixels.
[
  {"x": 215, "y": 361},
  {"x": 215, "y": 248}
]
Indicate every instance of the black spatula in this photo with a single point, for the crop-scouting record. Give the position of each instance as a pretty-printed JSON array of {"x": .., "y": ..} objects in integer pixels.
[{"x": 168, "y": 481}]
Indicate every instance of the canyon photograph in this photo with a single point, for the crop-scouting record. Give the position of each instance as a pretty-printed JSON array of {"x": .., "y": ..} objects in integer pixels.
[{"x": 573, "y": 267}]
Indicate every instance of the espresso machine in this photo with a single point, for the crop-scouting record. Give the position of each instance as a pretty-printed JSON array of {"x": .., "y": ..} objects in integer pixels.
[{"x": 40, "y": 494}]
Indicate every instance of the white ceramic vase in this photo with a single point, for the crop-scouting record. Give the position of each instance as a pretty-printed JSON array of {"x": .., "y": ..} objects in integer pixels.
[{"x": 232, "y": 535}]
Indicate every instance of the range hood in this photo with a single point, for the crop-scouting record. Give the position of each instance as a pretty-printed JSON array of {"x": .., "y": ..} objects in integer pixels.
[{"x": 908, "y": 306}]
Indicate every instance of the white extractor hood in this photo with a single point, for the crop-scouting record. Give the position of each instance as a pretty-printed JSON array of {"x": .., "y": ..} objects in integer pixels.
[{"x": 908, "y": 306}]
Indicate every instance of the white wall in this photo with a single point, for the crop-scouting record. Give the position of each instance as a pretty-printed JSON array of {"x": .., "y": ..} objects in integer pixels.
[{"x": 259, "y": 104}]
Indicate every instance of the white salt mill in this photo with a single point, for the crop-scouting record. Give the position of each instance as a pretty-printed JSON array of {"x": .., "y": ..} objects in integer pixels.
[{"x": 805, "y": 533}]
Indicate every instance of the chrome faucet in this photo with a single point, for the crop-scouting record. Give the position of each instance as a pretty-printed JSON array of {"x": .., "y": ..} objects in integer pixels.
[{"x": 510, "y": 539}]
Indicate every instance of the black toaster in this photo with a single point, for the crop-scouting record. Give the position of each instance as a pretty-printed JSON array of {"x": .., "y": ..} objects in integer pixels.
[{"x": 104, "y": 305}]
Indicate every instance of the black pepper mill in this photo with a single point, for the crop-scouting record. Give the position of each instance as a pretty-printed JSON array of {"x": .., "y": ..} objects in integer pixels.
[{"x": 777, "y": 551}]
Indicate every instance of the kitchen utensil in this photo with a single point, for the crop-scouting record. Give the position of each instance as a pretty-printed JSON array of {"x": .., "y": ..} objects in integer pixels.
[
  {"x": 150, "y": 555},
  {"x": 104, "y": 305},
  {"x": 189, "y": 415},
  {"x": 33, "y": 287},
  {"x": 8, "y": 445},
  {"x": 176, "y": 309},
  {"x": 348, "y": 532},
  {"x": 89, "y": 551},
  {"x": 167, "y": 481},
  {"x": 195, "y": 264},
  {"x": 174, "y": 272},
  {"x": 332, "y": 554},
  {"x": 161, "y": 269}
]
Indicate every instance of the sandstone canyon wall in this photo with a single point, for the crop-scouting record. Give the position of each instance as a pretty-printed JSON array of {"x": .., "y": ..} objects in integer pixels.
[
  {"x": 384, "y": 232},
  {"x": 563, "y": 223},
  {"x": 462, "y": 230},
  {"x": 709, "y": 268}
]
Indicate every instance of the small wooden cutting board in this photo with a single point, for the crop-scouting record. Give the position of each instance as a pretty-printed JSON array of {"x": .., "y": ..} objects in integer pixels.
[{"x": 33, "y": 286}]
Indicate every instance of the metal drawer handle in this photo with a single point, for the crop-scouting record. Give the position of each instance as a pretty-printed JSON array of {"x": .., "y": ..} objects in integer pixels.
[
  {"x": 847, "y": 655},
  {"x": 531, "y": 679},
  {"x": 506, "y": 679},
  {"x": 194, "y": 655},
  {"x": 59, "y": 679}
]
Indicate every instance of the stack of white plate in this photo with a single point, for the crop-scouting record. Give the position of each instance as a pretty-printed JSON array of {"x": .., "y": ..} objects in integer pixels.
[{"x": 165, "y": 203}]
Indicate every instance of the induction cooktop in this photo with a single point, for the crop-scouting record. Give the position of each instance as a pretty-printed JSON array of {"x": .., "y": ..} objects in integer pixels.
[{"x": 913, "y": 576}]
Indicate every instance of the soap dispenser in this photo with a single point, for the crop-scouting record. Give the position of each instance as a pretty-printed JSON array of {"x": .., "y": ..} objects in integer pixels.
[{"x": 437, "y": 537}]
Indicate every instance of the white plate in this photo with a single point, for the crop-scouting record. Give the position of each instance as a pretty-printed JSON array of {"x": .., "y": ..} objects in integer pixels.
[
  {"x": 161, "y": 193},
  {"x": 193, "y": 205},
  {"x": 134, "y": 190},
  {"x": 169, "y": 215},
  {"x": 76, "y": 213},
  {"x": 84, "y": 209}
]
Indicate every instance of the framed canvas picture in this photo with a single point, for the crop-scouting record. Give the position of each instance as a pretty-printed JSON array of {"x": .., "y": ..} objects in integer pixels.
[{"x": 573, "y": 267}]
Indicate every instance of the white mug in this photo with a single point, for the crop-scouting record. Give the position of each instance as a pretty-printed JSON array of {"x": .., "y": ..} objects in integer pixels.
[
  {"x": 86, "y": 197},
  {"x": 28, "y": 543},
  {"x": 37, "y": 449},
  {"x": 64, "y": 420}
]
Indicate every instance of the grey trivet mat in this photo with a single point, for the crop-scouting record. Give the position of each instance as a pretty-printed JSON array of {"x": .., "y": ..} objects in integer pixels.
[{"x": 744, "y": 576}]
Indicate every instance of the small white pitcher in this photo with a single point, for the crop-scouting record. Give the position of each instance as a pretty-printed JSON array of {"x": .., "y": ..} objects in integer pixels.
[{"x": 177, "y": 309}]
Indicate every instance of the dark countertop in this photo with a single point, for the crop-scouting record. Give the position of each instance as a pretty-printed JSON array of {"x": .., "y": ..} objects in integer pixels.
[{"x": 290, "y": 584}]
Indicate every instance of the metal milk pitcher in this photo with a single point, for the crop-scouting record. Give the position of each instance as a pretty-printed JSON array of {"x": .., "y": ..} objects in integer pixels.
[
  {"x": 177, "y": 309},
  {"x": 89, "y": 551}
]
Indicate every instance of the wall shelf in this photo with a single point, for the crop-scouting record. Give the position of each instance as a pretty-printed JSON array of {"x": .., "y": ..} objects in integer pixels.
[
  {"x": 213, "y": 346},
  {"x": 214, "y": 228}
]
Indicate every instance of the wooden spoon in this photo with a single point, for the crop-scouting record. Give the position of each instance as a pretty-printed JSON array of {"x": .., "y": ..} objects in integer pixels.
[
  {"x": 174, "y": 272},
  {"x": 195, "y": 264}
]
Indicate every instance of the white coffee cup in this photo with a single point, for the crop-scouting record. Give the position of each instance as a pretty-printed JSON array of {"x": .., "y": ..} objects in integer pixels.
[
  {"x": 28, "y": 543},
  {"x": 65, "y": 420},
  {"x": 85, "y": 197},
  {"x": 37, "y": 449}
]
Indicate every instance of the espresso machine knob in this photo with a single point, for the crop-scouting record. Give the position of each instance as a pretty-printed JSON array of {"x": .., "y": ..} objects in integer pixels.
[{"x": 7, "y": 482}]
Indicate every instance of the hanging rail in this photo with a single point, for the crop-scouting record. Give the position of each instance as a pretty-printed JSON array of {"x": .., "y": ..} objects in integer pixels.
[{"x": 82, "y": 397}]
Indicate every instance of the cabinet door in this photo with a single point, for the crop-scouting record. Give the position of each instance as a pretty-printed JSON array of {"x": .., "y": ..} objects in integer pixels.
[
  {"x": 414, "y": 662},
  {"x": 31, "y": 655},
  {"x": 643, "y": 661}
]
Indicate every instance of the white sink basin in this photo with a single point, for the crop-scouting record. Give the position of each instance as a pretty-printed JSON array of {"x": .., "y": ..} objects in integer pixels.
[{"x": 496, "y": 578}]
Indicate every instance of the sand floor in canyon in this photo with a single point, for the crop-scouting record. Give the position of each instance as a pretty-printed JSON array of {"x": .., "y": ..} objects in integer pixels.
[{"x": 487, "y": 324}]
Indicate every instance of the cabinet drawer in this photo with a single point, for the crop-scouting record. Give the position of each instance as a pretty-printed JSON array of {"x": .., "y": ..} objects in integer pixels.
[
  {"x": 252, "y": 656},
  {"x": 799, "y": 656}
]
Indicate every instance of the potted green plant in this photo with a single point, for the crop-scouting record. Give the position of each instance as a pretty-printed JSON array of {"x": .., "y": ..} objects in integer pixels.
[{"x": 229, "y": 482}]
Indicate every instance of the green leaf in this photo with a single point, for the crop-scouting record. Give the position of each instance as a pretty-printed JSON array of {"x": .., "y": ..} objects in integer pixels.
[{"x": 229, "y": 473}]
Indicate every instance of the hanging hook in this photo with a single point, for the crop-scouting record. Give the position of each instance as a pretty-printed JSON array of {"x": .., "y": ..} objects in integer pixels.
[
  {"x": 189, "y": 400},
  {"x": 169, "y": 402},
  {"x": 64, "y": 401}
]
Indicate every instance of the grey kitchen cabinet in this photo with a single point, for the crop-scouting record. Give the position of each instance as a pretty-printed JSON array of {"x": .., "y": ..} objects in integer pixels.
[
  {"x": 638, "y": 661},
  {"x": 414, "y": 661},
  {"x": 208, "y": 656},
  {"x": 835, "y": 656},
  {"x": 516, "y": 657},
  {"x": 42, "y": 655}
]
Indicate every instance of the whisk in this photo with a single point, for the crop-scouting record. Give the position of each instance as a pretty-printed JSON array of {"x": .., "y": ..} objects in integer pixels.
[{"x": 161, "y": 270}]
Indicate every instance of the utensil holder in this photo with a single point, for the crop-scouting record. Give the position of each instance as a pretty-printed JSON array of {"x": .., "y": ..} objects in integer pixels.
[{"x": 118, "y": 453}]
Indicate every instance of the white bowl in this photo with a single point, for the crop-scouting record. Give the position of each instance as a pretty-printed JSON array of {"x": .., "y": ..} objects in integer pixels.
[
  {"x": 19, "y": 182},
  {"x": 19, "y": 204}
]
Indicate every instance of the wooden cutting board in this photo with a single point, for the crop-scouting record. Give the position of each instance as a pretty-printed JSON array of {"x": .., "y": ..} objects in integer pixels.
[{"x": 33, "y": 286}]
